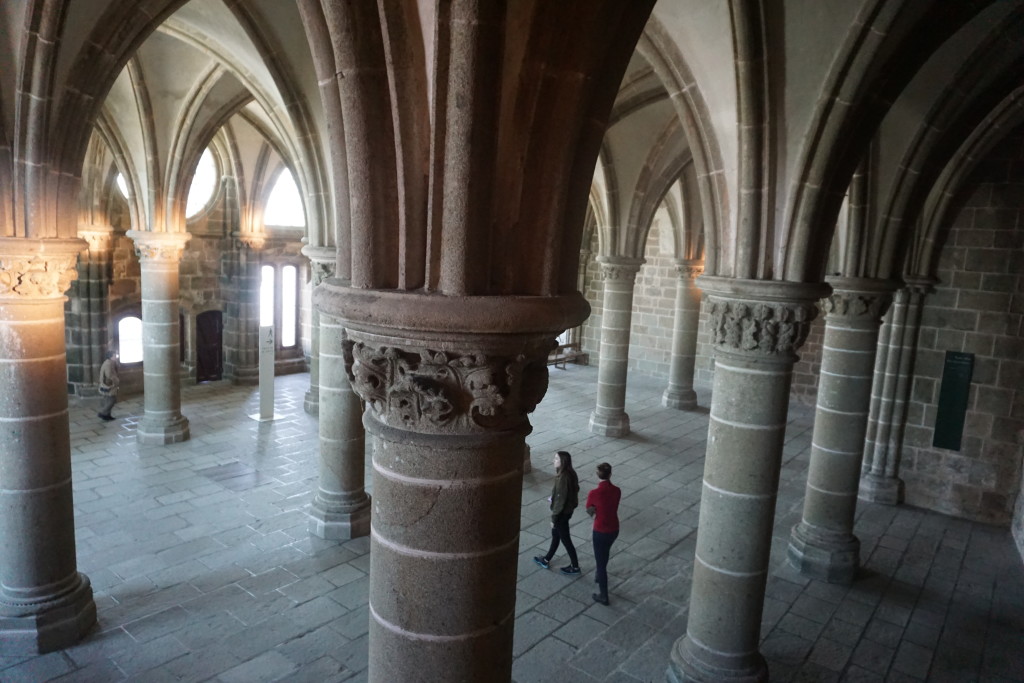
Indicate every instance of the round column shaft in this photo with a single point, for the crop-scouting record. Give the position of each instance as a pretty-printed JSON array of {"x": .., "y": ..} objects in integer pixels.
[
  {"x": 447, "y": 409},
  {"x": 756, "y": 329},
  {"x": 619, "y": 275},
  {"x": 680, "y": 394},
  {"x": 341, "y": 508},
  {"x": 45, "y": 604},
  {"x": 322, "y": 263},
  {"x": 823, "y": 545},
  {"x": 159, "y": 257}
]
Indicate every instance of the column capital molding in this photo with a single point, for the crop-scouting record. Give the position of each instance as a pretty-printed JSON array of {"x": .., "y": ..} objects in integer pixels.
[
  {"x": 619, "y": 268},
  {"x": 99, "y": 239},
  {"x": 159, "y": 246},
  {"x": 35, "y": 269},
  {"x": 688, "y": 269},
  {"x": 767, "y": 319},
  {"x": 323, "y": 262},
  {"x": 858, "y": 300},
  {"x": 255, "y": 241},
  {"x": 919, "y": 285}
]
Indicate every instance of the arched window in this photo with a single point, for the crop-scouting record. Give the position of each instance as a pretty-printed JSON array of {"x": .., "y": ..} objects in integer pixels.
[
  {"x": 284, "y": 205},
  {"x": 122, "y": 184},
  {"x": 204, "y": 185},
  {"x": 129, "y": 339}
]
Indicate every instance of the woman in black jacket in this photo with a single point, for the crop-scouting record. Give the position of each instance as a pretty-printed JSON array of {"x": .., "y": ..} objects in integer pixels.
[{"x": 564, "y": 499}]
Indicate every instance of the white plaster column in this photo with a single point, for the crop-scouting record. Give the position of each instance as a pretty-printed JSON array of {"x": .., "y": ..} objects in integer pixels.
[
  {"x": 894, "y": 373},
  {"x": 756, "y": 328},
  {"x": 619, "y": 276},
  {"x": 680, "y": 394},
  {"x": 448, "y": 382},
  {"x": 823, "y": 545},
  {"x": 322, "y": 263},
  {"x": 341, "y": 507},
  {"x": 159, "y": 258},
  {"x": 45, "y": 603}
]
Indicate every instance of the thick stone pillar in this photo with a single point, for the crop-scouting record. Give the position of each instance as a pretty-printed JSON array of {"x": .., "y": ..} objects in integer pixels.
[
  {"x": 619, "y": 276},
  {"x": 86, "y": 313},
  {"x": 45, "y": 604},
  {"x": 894, "y": 374},
  {"x": 756, "y": 328},
  {"x": 823, "y": 545},
  {"x": 321, "y": 262},
  {"x": 680, "y": 394},
  {"x": 341, "y": 508},
  {"x": 242, "y": 326},
  {"x": 448, "y": 382},
  {"x": 159, "y": 257}
]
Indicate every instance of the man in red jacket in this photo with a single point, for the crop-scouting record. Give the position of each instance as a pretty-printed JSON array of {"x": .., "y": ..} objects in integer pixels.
[{"x": 603, "y": 506}]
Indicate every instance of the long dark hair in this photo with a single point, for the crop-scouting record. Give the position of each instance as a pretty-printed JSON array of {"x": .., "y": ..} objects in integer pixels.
[{"x": 565, "y": 467}]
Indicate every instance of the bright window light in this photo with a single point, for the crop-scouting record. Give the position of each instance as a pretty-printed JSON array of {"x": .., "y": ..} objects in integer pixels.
[
  {"x": 129, "y": 339},
  {"x": 122, "y": 185},
  {"x": 289, "y": 279},
  {"x": 204, "y": 184},
  {"x": 284, "y": 206},
  {"x": 267, "y": 296}
]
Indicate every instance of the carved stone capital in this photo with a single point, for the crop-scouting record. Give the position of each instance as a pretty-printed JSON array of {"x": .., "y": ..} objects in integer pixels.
[
  {"x": 689, "y": 269},
  {"x": 159, "y": 246},
  {"x": 619, "y": 269},
  {"x": 254, "y": 241},
  {"x": 421, "y": 389},
  {"x": 32, "y": 269},
  {"x": 763, "y": 318},
  {"x": 918, "y": 286},
  {"x": 322, "y": 261},
  {"x": 100, "y": 241},
  {"x": 858, "y": 300}
]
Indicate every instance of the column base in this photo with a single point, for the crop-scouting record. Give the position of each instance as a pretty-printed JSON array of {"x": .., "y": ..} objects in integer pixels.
[
  {"x": 311, "y": 404},
  {"x": 61, "y": 623},
  {"x": 835, "y": 559},
  {"x": 339, "y": 524},
  {"x": 685, "y": 667},
  {"x": 609, "y": 425},
  {"x": 881, "y": 489},
  {"x": 679, "y": 399},
  {"x": 160, "y": 433}
]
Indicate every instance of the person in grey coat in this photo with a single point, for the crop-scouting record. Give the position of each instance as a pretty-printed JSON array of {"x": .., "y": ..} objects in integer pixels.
[{"x": 109, "y": 382}]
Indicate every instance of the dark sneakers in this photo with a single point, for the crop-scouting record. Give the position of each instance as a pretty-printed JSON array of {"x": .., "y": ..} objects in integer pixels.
[
  {"x": 106, "y": 418},
  {"x": 570, "y": 570},
  {"x": 541, "y": 562},
  {"x": 602, "y": 599}
]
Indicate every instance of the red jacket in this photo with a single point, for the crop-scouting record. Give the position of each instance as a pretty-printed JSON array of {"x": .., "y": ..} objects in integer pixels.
[{"x": 606, "y": 499}]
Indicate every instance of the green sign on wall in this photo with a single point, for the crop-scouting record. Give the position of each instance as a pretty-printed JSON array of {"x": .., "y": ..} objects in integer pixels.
[{"x": 953, "y": 395}]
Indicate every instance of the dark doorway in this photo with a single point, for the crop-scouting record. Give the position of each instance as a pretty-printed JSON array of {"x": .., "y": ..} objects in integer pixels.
[{"x": 209, "y": 349}]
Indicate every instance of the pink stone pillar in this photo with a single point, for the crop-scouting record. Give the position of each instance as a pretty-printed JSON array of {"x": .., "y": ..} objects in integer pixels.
[
  {"x": 45, "y": 604},
  {"x": 159, "y": 257},
  {"x": 448, "y": 382},
  {"x": 756, "y": 328}
]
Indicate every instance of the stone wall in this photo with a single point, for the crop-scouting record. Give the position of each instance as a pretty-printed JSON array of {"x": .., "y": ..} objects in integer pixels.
[{"x": 976, "y": 308}]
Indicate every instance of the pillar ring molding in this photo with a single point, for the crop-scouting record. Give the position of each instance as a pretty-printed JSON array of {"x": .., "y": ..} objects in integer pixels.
[
  {"x": 159, "y": 246},
  {"x": 760, "y": 319},
  {"x": 919, "y": 284},
  {"x": 858, "y": 301},
  {"x": 619, "y": 268},
  {"x": 323, "y": 261},
  {"x": 36, "y": 269}
]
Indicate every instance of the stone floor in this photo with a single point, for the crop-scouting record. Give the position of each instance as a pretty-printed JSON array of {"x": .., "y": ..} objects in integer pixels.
[{"x": 203, "y": 568}]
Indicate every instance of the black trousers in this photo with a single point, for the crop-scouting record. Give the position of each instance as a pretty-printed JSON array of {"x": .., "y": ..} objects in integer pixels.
[
  {"x": 602, "y": 548},
  {"x": 560, "y": 532}
]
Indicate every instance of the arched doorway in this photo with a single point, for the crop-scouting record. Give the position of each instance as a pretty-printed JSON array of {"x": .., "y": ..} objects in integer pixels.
[{"x": 209, "y": 346}]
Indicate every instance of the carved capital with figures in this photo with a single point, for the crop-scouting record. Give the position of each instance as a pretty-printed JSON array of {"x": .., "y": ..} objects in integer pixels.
[
  {"x": 159, "y": 246},
  {"x": 33, "y": 269}
]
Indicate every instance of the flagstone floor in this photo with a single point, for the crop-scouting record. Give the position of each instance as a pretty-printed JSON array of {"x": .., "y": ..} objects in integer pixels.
[{"x": 203, "y": 568}]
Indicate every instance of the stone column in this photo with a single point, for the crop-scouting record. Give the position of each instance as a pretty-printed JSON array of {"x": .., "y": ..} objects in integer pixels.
[
  {"x": 241, "y": 330},
  {"x": 321, "y": 262},
  {"x": 448, "y": 382},
  {"x": 45, "y": 604},
  {"x": 823, "y": 545},
  {"x": 756, "y": 328},
  {"x": 159, "y": 257},
  {"x": 680, "y": 394},
  {"x": 619, "y": 276},
  {"x": 893, "y": 381},
  {"x": 341, "y": 508},
  {"x": 86, "y": 314}
]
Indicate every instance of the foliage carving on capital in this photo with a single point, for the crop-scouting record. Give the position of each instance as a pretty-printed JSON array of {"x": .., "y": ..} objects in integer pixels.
[
  {"x": 615, "y": 272},
  {"x": 689, "y": 271},
  {"x": 856, "y": 306},
  {"x": 36, "y": 275},
  {"x": 442, "y": 392},
  {"x": 321, "y": 270},
  {"x": 773, "y": 329}
]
